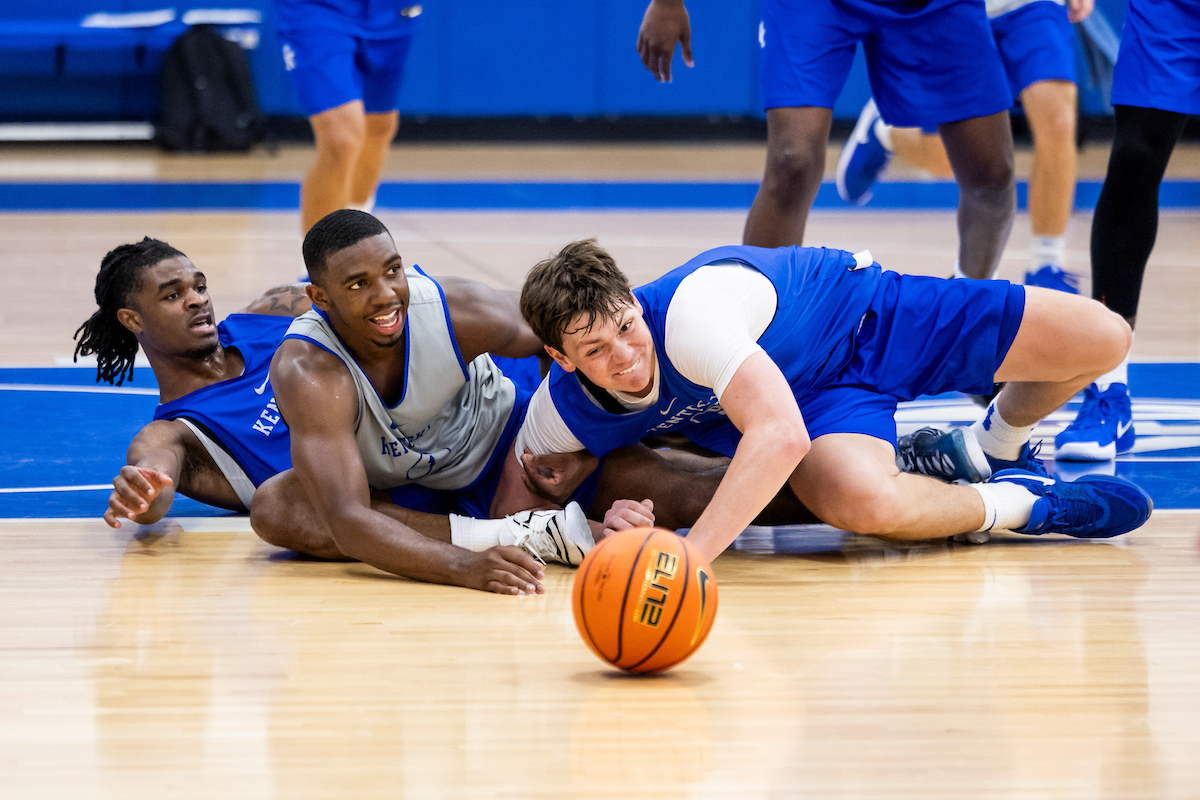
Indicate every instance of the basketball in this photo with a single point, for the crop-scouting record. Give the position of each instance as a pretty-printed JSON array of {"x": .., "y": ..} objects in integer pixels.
[{"x": 644, "y": 600}]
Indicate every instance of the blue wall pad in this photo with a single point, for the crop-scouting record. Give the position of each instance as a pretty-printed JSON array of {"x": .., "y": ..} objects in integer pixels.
[
  {"x": 497, "y": 196},
  {"x": 68, "y": 434}
]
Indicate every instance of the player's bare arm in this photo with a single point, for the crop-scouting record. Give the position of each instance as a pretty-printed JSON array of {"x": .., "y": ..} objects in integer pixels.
[
  {"x": 289, "y": 300},
  {"x": 317, "y": 397},
  {"x": 488, "y": 320},
  {"x": 761, "y": 405},
  {"x": 163, "y": 458},
  {"x": 664, "y": 25}
]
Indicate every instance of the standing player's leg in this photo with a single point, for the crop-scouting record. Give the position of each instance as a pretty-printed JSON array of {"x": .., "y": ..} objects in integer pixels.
[
  {"x": 940, "y": 66},
  {"x": 1037, "y": 44},
  {"x": 980, "y": 151},
  {"x": 339, "y": 133},
  {"x": 380, "y": 130},
  {"x": 1123, "y": 232},
  {"x": 807, "y": 52},
  {"x": 1051, "y": 109},
  {"x": 796, "y": 140}
]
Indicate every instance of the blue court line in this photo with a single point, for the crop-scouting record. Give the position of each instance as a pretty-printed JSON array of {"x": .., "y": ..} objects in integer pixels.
[{"x": 512, "y": 196}]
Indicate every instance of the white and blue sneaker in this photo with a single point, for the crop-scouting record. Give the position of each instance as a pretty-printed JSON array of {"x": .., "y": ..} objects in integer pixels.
[
  {"x": 1026, "y": 461},
  {"x": 1102, "y": 429},
  {"x": 953, "y": 456},
  {"x": 1049, "y": 276},
  {"x": 862, "y": 159},
  {"x": 1093, "y": 507}
]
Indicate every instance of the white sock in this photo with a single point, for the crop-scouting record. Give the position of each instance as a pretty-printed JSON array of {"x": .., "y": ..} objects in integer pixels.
[
  {"x": 478, "y": 535},
  {"x": 1005, "y": 505},
  {"x": 1047, "y": 250},
  {"x": 958, "y": 273},
  {"x": 368, "y": 206},
  {"x": 883, "y": 132},
  {"x": 1118, "y": 375},
  {"x": 999, "y": 439}
]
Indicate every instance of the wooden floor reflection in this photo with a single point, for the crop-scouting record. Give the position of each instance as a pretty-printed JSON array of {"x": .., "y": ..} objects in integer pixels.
[{"x": 194, "y": 660}]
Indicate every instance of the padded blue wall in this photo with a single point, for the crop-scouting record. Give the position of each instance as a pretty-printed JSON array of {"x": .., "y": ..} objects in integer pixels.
[{"x": 471, "y": 58}]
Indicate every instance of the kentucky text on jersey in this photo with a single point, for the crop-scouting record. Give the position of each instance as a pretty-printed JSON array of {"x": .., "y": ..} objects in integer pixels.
[{"x": 232, "y": 413}]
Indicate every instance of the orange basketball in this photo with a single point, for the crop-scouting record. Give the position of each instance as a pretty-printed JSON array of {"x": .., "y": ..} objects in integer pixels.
[{"x": 644, "y": 600}]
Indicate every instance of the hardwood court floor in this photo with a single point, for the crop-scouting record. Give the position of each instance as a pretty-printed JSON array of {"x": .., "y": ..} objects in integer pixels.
[{"x": 192, "y": 660}]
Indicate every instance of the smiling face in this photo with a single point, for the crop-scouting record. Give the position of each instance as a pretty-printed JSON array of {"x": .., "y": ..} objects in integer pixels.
[
  {"x": 365, "y": 293},
  {"x": 171, "y": 312},
  {"x": 615, "y": 353}
]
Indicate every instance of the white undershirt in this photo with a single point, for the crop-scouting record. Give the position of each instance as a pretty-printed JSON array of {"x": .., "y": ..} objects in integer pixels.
[{"x": 713, "y": 324}]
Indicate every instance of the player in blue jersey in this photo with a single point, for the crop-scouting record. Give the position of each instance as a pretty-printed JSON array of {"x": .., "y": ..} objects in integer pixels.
[
  {"x": 346, "y": 59},
  {"x": 1156, "y": 86},
  {"x": 792, "y": 361},
  {"x": 930, "y": 63},
  {"x": 215, "y": 435},
  {"x": 1037, "y": 45}
]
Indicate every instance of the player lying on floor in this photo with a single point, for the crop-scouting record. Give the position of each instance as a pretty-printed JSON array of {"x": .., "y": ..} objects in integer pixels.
[
  {"x": 217, "y": 432},
  {"x": 792, "y": 361}
]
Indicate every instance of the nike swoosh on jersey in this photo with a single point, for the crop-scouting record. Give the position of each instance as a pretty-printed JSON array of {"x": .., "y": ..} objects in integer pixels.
[
  {"x": 669, "y": 405},
  {"x": 263, "y": 388}
]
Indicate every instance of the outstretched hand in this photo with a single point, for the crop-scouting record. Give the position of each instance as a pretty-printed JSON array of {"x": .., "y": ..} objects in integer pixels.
[
  {"x": 503, "y": 569},
  {"x": 134, "y": 489},
  {"x": 665, "y": 23},
  {"x": 556, "y": 476}
]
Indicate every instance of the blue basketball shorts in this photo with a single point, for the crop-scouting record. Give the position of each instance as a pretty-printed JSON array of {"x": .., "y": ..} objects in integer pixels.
[
  {"x": 928, "y": 63},
  {"x": 922, "y": 336},
  {"x": 1158, "y": 65},
  {"x": 476, "y": 500},
  {"x": 1036, "y": 43},
  {"x": 330, "y": 69}
]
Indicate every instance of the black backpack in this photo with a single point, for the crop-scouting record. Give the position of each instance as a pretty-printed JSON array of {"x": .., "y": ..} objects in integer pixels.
[{"x": 208, "y": 98}]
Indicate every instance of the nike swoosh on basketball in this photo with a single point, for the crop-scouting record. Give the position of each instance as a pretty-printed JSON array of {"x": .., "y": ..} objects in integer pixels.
[
  {"x": 703, "y": 579},
  {"x": 263, "y": 388}
]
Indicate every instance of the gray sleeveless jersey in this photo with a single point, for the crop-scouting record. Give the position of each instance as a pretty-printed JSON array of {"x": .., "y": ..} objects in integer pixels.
[{"x": 450, "y": 416}]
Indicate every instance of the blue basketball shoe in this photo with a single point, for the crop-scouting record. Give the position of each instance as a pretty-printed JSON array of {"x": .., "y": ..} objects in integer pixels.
[
  {"x": 953, "y": 456},
  {"x": 1026, "y": 461},
  {"x": 1093, "y": 507},
  {"x": 1052, "y": 277},
  {"x": 862, "y": 159},
  {"x": 1102, "y": 429}
]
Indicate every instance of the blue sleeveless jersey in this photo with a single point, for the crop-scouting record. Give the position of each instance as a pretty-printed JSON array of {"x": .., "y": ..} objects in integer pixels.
[
  {"x": 240, "y": 413},
  {"x": 822, "y": 299}
]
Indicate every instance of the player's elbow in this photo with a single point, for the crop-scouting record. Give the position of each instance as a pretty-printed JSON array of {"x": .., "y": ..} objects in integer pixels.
[{"x": 791, "y": 440}]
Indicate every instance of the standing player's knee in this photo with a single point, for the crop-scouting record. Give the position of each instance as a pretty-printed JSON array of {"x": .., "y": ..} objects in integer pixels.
[
  {"x": 343, "y": 143},
  {"x": 1060, "y": 125},
  {"x": 992, "y": 182},
  {"x": 794, "y": 164},
  {"x": 382, "y": 126}
]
